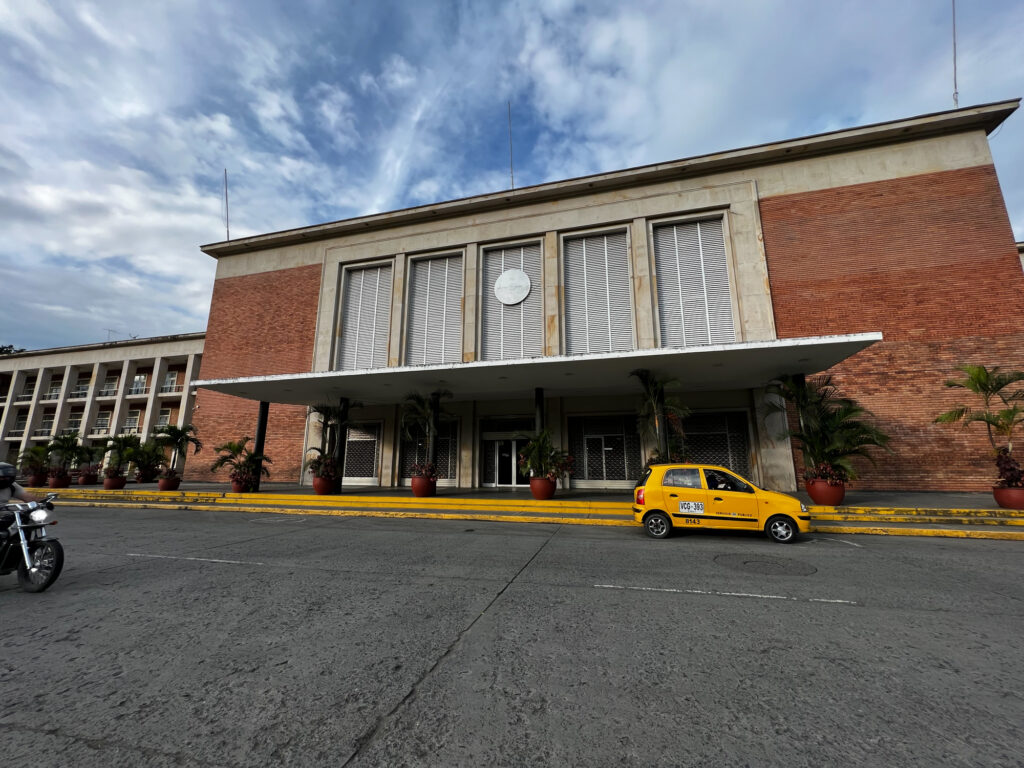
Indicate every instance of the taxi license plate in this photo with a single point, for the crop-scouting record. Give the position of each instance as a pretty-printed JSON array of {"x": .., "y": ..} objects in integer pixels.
[{"x": 691, "y": 507}]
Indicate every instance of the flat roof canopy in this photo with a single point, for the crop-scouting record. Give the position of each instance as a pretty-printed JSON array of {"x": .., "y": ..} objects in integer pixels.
[{"x": 743, "y": 365}]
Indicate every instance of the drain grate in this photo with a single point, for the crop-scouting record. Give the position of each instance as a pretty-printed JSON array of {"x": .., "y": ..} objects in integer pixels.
[{"x": 764, "y": 566}]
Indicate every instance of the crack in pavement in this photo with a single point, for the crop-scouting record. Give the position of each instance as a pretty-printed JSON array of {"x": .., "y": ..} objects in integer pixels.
[{"x": 374, "y": 731}]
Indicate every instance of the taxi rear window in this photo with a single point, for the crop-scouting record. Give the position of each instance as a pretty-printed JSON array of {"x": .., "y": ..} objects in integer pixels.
[
  {"x": 683, "y": 478},
  {"x": 643, "y": 478}
]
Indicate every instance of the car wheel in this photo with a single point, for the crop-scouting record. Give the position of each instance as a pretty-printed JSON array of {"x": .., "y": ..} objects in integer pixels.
[
  {"x": 781, "y": 529},
  {"x": 657, "y": 525}
]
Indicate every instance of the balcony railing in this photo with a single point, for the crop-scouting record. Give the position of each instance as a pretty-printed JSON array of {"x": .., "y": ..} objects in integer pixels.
[
  {"x": 52, "y": 394},
  {"x": 130, "y": 429},
  {"x": 25, "y": 396},
  {"x": 3, "y": 399},
  {"x": 107, "y": 392},
  {"x": 71, "y": 429},
  {"x": 42, "y": 432},
  {"x": 16, "y": 433},
  {"x": 78, "y": 392},
  {"x": 138, "y": 390},
  {"x": 168, "y": 389},
  {"x": 100, "y": 428}
]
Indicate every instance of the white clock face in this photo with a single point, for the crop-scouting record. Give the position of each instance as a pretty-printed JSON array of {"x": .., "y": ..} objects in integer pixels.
[{"x": 512, "y": 286}]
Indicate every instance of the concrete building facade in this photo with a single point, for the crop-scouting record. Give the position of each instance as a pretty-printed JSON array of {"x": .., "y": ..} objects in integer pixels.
[
  {"x": 882, "y": 254},
  {"x": 97, "y": 390}
]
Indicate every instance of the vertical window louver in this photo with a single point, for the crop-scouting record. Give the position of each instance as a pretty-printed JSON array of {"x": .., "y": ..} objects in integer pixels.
[
  {"x": 434, "y": 325},
  {"x": 366, "y": 318},
  {"x": 694, "y": 301},
  {"x": 515, "y": 331},
  {"x": 598, "y": 312}
]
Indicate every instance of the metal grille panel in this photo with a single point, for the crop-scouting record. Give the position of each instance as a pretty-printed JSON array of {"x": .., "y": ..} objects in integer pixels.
[
  {"x": 719, "y": 438},
  {"x": 605, "y": 447},
  {"x": 414, "y": 451},
  {"x": 362, "y": 450}
]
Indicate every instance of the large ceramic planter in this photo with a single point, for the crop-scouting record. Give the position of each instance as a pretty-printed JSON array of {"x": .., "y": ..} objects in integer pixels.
[
  {"x": 60, "y": 482},
  {"x": 325, "y": 485},
  {"x": 37, "y": 481},
  {"x": 1009, "y": 498},
  {"x": 88, "y": 479},
  {"x": 237, "y": 487},
  {"x": 423, "y": 486},
  {"x": 168, "y": 483},
  {"x": 114, "y": 483},
  {"x": 542, "y": 488},
  {"x": 823, "y": 494}
]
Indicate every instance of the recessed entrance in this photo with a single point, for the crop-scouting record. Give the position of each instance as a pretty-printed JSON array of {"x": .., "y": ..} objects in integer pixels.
[{"x": 501, "y": 463}]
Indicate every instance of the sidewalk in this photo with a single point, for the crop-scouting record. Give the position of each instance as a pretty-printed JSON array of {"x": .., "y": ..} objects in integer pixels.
[{"x": 957, "y": 515}]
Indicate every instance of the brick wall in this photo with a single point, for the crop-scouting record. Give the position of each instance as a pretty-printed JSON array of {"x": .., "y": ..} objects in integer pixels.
[
  {"x": 259, "y": 324},
  {"x": 930, "y": 262}
]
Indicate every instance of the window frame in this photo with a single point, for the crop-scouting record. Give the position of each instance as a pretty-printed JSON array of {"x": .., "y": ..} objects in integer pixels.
[
  {"x": 410, "y": 260},
  {"x": 344, "y": 268}
]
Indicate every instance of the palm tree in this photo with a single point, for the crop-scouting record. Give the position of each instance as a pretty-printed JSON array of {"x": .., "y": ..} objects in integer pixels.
[
  {"x": 422, "y": 414},
  {"x": 120, "y": 447},
  {"x": 660, "y": 417},
  {"x": 246, "y": 466},
  {"x": 65, "y": 448},
  {"x": 831, "y": 430},
  {"x": 179, "y": 438},
  {"x": 990, "y": 384}
]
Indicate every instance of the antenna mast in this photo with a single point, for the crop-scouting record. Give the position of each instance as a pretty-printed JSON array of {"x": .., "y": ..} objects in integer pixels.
[
  {"x": 511, "y": 170},
  {"x": 956, "y": 100},
  {"x": 227, "y": 210}
]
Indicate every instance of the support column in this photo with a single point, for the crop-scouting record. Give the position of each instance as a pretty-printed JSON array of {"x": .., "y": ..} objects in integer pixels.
[
  {"x": 260, "y": 439},
  {"x": 341, "y": 439}
]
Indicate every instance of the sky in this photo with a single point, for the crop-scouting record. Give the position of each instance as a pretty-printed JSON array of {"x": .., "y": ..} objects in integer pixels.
[{"x": 118, "y": 119}]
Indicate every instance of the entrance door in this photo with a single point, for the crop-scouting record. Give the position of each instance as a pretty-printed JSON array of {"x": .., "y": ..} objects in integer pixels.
[{"x": 504, "y": 471}]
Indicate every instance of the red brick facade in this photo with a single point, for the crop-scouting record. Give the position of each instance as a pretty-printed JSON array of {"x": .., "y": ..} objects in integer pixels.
[
  {"x": 259, "y": 324},
  {"x": 930, "y": 262}
]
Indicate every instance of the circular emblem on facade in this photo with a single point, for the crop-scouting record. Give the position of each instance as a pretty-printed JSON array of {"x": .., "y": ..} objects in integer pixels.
[{"x": 512, "y": 286}]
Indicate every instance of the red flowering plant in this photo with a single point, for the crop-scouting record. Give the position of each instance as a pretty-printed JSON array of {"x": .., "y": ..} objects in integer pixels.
[
  {"x": 426, "y": 469},
  {"x": 540, "y": 458}
]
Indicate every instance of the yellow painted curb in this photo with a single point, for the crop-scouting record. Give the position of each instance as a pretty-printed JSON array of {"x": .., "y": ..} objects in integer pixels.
[{"x": 937, "y": 532}]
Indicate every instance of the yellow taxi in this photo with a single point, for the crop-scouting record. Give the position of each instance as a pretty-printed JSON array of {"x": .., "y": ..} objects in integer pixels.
[{"x": 684, "y": 496}]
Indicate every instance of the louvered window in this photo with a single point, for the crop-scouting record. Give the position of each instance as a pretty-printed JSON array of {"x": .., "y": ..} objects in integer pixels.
[
  {"x": 512, "y": 331},
  {"x": 598, "y": 312},
  {"x": 366, "y": 317},
  {"x": 694, "y": 302},
  {"x": 434, "y": 326}
]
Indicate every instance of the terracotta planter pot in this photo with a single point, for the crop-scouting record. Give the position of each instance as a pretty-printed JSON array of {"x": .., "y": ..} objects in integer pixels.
[
  {"x": 325, "y": 485},
  {"x": 114, "y": 483},
  {"x": 237, "y": 487},
  {"x": 424, "y": 486},
  {"x": 1009, "y": 498},
  {"x": 824, "y": 494},
  {"x": 37, "y": 481},
  {"x": 168, "y": 483},
  {"x": 60, "y": 482},
  {"x": 88, "y": 479},
  {"x": 542, "y": 488}
]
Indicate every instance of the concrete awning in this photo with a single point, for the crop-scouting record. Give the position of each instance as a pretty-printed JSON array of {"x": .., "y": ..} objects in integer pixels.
[{"x": 743, "y": 365}]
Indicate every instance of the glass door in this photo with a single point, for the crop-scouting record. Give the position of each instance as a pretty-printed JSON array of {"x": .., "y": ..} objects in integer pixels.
[{"x": 501, "y": 463}]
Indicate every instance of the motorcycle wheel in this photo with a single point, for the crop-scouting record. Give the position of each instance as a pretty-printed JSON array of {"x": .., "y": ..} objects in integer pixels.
[{"x": 47, "y": 561}]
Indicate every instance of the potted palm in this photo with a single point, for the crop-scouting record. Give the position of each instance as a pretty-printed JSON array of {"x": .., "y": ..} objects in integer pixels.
[
  {"x": 121, "y": 448},
  {"x": 64, "y": 448},
  {"x": 423, "y": 478},
  {"x": 87, "y": 471},
  {"x": 832, "y": 429},
  {"x": 993, "y": 387},
  {"x": 421, "y": 416},
  {"x": 545, "y": 463},
  {"x": 35, "y": 465},
  {"x": 148, "y": 458},
  {"x": 246, "y": 466},
  {"x": 660, "y": 418},
  {"x": 179, "y": 438},
  {"x": 324, "y": 469}
]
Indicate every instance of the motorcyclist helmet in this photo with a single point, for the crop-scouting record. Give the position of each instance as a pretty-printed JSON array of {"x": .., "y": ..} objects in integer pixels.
[{"x": 7, "y": 475}]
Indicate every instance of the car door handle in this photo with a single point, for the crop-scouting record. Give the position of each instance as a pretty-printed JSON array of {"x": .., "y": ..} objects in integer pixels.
[
  {"x": 718, "y": 498},
  {"x": 674, "y": 495}
]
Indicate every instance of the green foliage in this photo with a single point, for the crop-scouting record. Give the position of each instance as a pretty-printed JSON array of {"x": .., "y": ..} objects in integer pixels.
[
  {"x": 991, "y": 385},
  {"x": 64, "y": 448},
  {"x": 120, "y": 448},
  {"x": 148, "y": 458},
  {"x": 9, "y": 349},
  {"x": 179, "y": 439},
  {"x": 660, "y": 413},
  {"x": 323, "y": 464},
  {"x": 832, "y": 430},
  {"x": 35, "y": 460},
  {"x": 540, "y": 458},
  {"x": 420, "y": 416},
  {"x": 246, "y": 466}
]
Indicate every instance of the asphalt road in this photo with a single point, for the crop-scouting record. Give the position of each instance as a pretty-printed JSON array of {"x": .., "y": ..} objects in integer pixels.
[{"x": 231, "y": 639}]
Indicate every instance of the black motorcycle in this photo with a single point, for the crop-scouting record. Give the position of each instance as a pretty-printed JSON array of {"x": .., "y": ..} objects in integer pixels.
[{"x": 25, "y": 547}]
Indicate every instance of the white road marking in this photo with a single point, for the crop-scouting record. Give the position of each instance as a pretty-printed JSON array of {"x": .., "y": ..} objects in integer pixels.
[
  {"x": 843, "y": 541},
  {"x": 726, "y": 594},
  {"x": 197, "y": 559}
]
